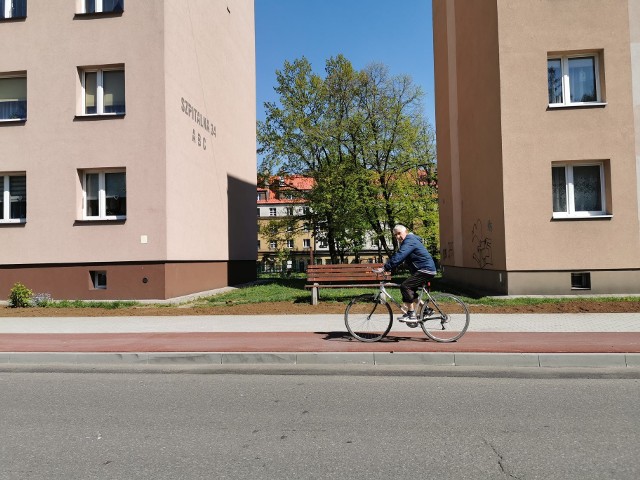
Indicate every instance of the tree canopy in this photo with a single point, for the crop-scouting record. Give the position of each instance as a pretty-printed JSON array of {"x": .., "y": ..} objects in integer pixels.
[{"x": 363, "y": 139}]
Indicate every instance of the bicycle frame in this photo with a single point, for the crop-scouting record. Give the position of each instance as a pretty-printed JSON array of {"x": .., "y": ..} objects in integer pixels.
[{"x": 384, "y": 296}]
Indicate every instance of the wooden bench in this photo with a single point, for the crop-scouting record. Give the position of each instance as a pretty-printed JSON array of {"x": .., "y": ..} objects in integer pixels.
[{"x": 343, "y": 275}]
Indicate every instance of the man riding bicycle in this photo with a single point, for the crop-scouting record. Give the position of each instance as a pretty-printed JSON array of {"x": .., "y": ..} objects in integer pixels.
[{"x": 420, "y": 264}]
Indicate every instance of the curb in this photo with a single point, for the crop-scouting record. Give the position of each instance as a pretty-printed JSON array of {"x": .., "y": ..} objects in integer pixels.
[{"x": 438, "y": 359}]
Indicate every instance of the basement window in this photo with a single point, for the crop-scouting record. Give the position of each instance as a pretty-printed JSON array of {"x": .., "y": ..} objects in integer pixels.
[
  {"x": 581, "y": 281},
  {"x": 99, "y": 279}
]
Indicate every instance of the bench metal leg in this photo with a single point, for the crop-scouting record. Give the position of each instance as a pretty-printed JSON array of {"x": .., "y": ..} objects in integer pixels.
[{"x": 314, "y": 294}]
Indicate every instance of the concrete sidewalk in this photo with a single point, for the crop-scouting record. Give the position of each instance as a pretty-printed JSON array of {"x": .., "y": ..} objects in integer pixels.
[{"x": 533, "y": 340}]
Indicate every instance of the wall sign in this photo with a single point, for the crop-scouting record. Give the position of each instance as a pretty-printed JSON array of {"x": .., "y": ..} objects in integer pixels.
[{"x": 198, "y": 138}]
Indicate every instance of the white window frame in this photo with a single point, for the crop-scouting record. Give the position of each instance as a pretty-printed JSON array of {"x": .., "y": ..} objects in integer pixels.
[
  {"x": 306, "y": 243},
  {"x": 571, "y": 211},
  {"x": 99, "y": 7},
  {"x": 273, "y": 212},
  {"x": 290, "y": 244},
  {"x": 102, "y": 196},
  {"x": 273, "y": 245},
  {"x": 8, "y": 10},
  {"x": 6, "y": 200},
  {"x": 22, "y": 119},
  {"x": 566, "y": 86},
  {"x": 99, "y": 90}
]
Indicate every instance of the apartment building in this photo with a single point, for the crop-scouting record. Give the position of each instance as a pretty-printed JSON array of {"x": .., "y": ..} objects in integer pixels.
[
  {"x": 538, "y": 121},
  {"x": 127, "y": 131},
  {"x": 286, "y": 239}
]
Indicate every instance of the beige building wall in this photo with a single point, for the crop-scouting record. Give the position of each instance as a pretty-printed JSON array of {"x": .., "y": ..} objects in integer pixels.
[
  {"x": 497, "y": 141},
  {"x": 634, "y": 33},
  {"x": 210, "y": 65},
  {"x": 183, "y": 199},
  {"x": 52, "y": 145},
  {"x": 469, "y": 139}
]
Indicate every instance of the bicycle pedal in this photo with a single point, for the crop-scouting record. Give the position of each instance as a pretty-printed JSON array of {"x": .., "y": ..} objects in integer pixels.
[{"x": 412, "y": 324}]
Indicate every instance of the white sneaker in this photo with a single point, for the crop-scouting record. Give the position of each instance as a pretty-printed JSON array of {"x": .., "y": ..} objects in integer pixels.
[{"x": 408, "y": 317}]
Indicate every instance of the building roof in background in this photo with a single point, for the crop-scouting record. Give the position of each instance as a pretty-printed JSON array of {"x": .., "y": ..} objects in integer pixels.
[{"x": 282, "y": 190}]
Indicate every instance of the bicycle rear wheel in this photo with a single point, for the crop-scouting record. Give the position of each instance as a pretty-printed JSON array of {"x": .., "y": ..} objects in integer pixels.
[
  {"x": 367, "y": 318},
  {"x": 445, "y": 319}
]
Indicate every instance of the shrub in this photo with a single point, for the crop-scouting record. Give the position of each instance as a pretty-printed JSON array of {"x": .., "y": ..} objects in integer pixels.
[{"x": 20, "y": 296}]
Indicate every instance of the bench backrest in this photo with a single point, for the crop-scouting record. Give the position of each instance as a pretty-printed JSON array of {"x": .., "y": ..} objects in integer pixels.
[{"x": 346, "y": 273}]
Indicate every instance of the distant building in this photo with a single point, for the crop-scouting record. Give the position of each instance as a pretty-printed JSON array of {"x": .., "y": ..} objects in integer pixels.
[
  {"x": 128, "y": 147},
  {"x": 294, "y": 242},
  {"x": 538, "y": 128}
]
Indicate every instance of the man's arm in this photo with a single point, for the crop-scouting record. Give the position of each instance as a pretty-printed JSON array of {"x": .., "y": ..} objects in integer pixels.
[{"x": 403, "y": 252}]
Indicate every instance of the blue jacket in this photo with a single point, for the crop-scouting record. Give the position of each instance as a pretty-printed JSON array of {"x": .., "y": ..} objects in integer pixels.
[{"x": 414, "y": 253}]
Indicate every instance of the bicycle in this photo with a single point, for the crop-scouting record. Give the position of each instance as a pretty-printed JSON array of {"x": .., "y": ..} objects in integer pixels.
[{"x": 443, "y": 317}]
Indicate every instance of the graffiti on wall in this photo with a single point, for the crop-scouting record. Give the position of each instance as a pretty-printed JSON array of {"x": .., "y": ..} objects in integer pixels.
[
  {"x": 482, "y": 244},
  {"x": 447, "y": 252}
]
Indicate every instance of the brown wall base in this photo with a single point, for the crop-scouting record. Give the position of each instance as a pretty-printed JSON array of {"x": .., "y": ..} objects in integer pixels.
[
  {"x": 127, "y": 281},
  {"x": 494, "y": 282}
]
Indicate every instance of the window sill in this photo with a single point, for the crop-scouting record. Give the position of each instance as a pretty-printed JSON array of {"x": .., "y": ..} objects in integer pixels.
[
  {"x": 585, "y": 217},
  {"x": 13, "y": 121},
  {"x": 577, "y": 105},
  {"x": 87, "y": 16},
  {"x": 13, "y": 19},
  {"x": 101, "y": 221},
  {"x": 104, "y": 116},
  {"x": 13, "y": 223}
]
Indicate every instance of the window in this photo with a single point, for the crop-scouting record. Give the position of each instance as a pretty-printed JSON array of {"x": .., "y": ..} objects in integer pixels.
[
  {"x": 581, "y": 281},
  {"x": 573, "y": 80},
  {"x": 578, "y": 190},
  {"x": 13, "y": 98},
  {"x": 272, "y": 211},
  {"x": 273, "y": 245},
  {"x": 13, "y": 8},
  {"x": 104, "y": 195},
  {"x": 13, "y": 198},
  {"x": 98, "y": 280},
  {"x": 289, "y": 210},
  {"x": 262, "y": 196},
  {"x": 289, "y": 243},
  {"x": 103, "y": 92},
  {"x": 258, "y": 211},
  {"x": 306, "y": 243},
  {"x": 103, "y": 6}
]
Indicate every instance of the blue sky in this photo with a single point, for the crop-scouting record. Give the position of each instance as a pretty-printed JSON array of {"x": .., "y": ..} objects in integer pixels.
[{"x": 397, "y": 34}]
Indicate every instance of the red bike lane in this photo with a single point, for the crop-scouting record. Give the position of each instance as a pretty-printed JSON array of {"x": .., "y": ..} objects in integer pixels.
[{"x": 332, "y": 341}]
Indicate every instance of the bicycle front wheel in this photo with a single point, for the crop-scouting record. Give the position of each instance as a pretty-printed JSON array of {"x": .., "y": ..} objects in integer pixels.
[
  {"x": 445, "y": 318},
  {"x": 367, "y": 318}
]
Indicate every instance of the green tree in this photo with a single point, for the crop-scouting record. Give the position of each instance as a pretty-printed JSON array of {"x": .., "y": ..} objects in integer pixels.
[{"x": 362, "y": 137}]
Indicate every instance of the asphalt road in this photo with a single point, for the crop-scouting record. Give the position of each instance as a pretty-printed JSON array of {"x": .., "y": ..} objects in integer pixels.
[{"x": 125, "y": 425}]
